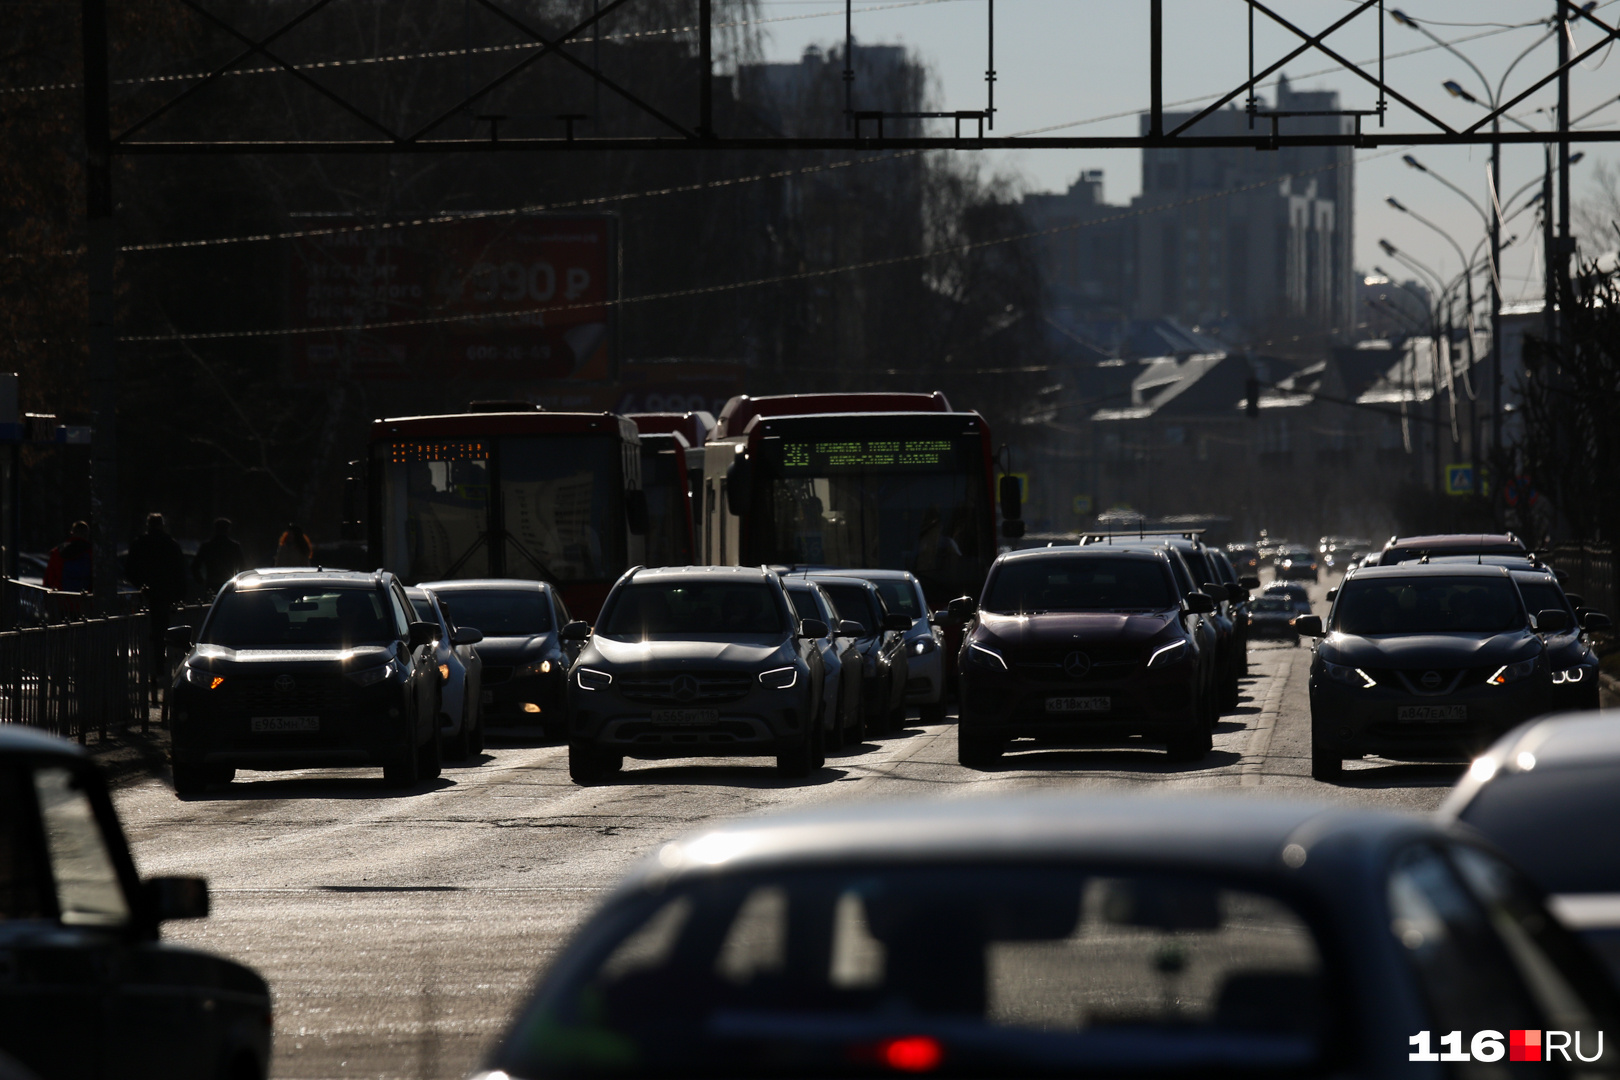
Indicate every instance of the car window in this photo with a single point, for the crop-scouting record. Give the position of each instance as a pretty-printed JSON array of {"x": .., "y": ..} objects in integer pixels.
[
  {"x": 1461, "y": 966},
  {"x": 24, "y": 883},
  {"x": 1557, "y": 824},
  {"x": 804, "y": 605},
  {"x": 514, "y": 612},
  {"x": 1542, "y": 595},
  {"x": 402, "y": 613},
  {"x": 291, "y": 616},
  {"x": 1006, "y": 968},
  {"x": 691, "y": 609},
  {"x": 423, "y": 610},
  {"x": 88, "y": 891},
  {"x": 1427, "y": 605},
  {"x": 1085, "y": 583},
  {"x": 901, "y": 596},
  {"x": 562, "y": 608},
  {"x": 853, "y": 602},
  {"x": 1273, "y": 603}
]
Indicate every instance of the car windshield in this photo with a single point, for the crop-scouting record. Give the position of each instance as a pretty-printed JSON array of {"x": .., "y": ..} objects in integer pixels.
[
  {"x": 804, "y": 605},
  {"x": 1542, "y": 595},
  {"x": 692, "y": 609},
  {"x": 995, "y": 969},
  {"x": 853, "y": 602},
  {"x": 519, "y": 612},
  {"x": 1273, "y": 603},
  {"x": 1553, "y": 823},
  {"x": 271, "y": 617},
  {"x": 1427, "y": 605},
  {"x": 1101, "y": 583},
  {"x": 900, "y": 595}
]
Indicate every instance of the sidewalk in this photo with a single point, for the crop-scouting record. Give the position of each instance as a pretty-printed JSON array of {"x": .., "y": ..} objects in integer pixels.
[{"x": 127, "y": 757}]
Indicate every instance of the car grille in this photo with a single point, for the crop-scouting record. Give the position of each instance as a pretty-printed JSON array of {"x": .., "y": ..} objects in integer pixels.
[
  {"x": 1411, "y": 680},
  {"x": 496, "y": 674},
  {"x": 687, "y": 688},
  {"x": 1107, "y": 662},
  {"x": 311, "y": 695}
]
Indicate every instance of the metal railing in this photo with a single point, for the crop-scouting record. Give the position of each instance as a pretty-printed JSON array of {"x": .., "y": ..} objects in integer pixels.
[{"x": 1591, "y": 573}]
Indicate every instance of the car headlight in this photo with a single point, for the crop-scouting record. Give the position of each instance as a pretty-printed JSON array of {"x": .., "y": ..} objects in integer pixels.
[
  {"x": 1350, "y": 676},
  {"x": 1569, "y": 675},
  {"x": 1168, "y": 654},
  {"x": 591, "y": 679},
  {"x": 204, "y": 678},
  {"x": 370, "y": 676},
  {"x": 1513, "y": 672},
  {"x": 537, "y": 667},
  {"x": 782, "y": 678},
  {"x": 985, "y": 655},
  {"x": 924, "y": 646}
]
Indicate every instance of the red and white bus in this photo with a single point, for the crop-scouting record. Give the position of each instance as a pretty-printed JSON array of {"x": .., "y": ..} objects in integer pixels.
[
  {"x": 874, "y": 481},
  {"x": 668, "y": 442},
  {"x": 507, "y": 490}
]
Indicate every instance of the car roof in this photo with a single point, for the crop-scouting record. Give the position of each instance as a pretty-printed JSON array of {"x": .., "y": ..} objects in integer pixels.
[
  {"x": 870, "y": 575},
  {"x": 1566, "y": 741},
  {"x": 304, "y": 575},
  {"x": 829, "y": 577},
  {"x": 1455, "y": 541},
  {"x": 1135, "y": 549},
  {"x": 484, "y": 584},
  {"x": 1512, "y": 561},
  {"x": 700, "y": 573},
  {"x": 1236, "y": 834},
  {"x": 22, "y": 739},
  {"x": 1413, "y": 568}
]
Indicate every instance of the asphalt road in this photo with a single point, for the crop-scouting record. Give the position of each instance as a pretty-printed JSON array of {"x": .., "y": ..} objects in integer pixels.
[{"x": 399, "y": 930}]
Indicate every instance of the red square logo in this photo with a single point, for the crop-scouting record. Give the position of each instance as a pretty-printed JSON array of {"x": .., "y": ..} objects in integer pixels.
[{"x": 1524, "y": 1046}]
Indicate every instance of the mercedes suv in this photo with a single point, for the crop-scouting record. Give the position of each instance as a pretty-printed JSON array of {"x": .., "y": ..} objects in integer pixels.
[{"x": 697, "y": 661}]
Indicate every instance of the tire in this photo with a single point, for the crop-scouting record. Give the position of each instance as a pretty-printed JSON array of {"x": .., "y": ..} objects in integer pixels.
[
  {"x": 402, "y": 772},
  {"x": 1232, "y": 693},
  {"x": 897, "y": 719},
  {"x": 588, "y": 767},
  {"x": 835, "y": 737},
  {"x": 219, "y": 774},
  {"x": 475, "y": 742},
  {"x": 189, "y": 779},
  {"x": 818, "y": 749},
  {"x": 1326, "y": 765},
  {"x": 460, "y": 746},
  {"x": 798, "y": 761},
  {"x": 857, "y": 729},
  {"x": 1191, "y": 746},
  {"x": 430, "y": 756},
  {"x": 932, "y": 713},
  {"x": 978, "y": 751}
]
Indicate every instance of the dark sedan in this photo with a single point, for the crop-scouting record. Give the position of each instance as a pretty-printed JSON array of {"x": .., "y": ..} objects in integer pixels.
[
  {"x": 881, "y": 641},
  {"x": 297, "y": 669},
  {"x": 1083, "y": 644},
  {"x": 1273, "y": 617},
  {"x": 1422, "y": 661},
  {"x": 525, "y": 662},
  {"x": 1061, "y": 937}
]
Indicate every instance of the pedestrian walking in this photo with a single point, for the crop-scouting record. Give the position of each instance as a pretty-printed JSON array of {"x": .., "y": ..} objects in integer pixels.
[
  {"x": 294, "y": 548},
  {"x": 218, "y": 558},
  {"x": 156, "y": 564},
  {"x": 69, "y": 567}
]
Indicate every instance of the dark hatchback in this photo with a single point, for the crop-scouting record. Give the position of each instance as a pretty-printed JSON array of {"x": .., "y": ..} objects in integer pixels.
[
  {"x": 297, "y": 669},
  {"x": 1083, "y": 644},
  {"x": 525, "y": 678},
  {"x": 87, "y": 989},
  {"x": 1424, "y": 660}
]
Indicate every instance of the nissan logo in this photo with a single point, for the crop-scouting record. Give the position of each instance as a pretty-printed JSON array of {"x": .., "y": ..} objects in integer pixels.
[
  {"x": 1076, "y": 664},
  {"x": 685, "y": 688},
  {"x": 283, "y": 684},
  {"x": 1431, "y": 680}
]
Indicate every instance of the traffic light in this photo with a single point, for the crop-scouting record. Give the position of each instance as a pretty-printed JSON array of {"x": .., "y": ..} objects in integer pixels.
[{"x": 1252, "y": 410}]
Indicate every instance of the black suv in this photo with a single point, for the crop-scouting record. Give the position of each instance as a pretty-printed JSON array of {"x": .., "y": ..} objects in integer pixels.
[
  {"x": 695, "y": 661},
  {"x": 1080, "y": 644},
  {"x": 302, "y": 668},
  {"x": 87, "y": 989}
]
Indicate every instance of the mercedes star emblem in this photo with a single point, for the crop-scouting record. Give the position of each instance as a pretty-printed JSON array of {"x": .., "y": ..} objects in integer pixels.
[
  {"x": 1076, "y": 664},
  {"x": 686, "y": 688}
]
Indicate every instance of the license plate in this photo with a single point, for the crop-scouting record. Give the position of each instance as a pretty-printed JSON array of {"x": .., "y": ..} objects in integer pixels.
[
  {"x": 685, "y": 716},
  {"x": 1079, "y": 704},
  {"x": 489, "y": 697},
  {"x": 1431, "y": 712},
  {"x": 286, "y": 723}
]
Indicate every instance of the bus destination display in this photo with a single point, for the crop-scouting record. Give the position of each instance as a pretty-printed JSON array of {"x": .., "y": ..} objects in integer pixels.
[
  {"x": 827, "y": 457},
  {"x": 412, "y": 453}
]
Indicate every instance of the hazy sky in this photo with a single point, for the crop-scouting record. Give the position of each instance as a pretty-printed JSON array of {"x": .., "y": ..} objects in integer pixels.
[{"x": 1085, "y": 62}]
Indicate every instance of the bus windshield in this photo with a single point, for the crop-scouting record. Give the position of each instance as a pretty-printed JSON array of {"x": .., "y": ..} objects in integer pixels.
[{"x": 560, "y": 503}]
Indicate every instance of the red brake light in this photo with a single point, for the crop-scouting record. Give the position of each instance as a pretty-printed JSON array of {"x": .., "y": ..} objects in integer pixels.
[{"x": 916, "y": 1053}]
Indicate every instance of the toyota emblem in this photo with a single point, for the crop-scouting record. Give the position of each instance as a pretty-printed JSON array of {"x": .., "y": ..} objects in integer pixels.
[
  {"x": 1431, "y": 680},
  {"x": 284, "y": 684},
  {"x": 1076, "y": 665},
  {"x": 685, "y": 688}
]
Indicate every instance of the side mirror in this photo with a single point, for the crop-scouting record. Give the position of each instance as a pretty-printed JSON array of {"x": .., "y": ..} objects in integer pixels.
[
  {"x": 1333, "y": 594},
  {"x": 1309, "y": 626},
  {"x": 1012, "y": 529},
  {"x": 1217, "y": 592},
  {"x": 466, "y": 635},
  {"x": 962, "y": 608},
  {"x": 813, "y": 628},
  {"x": 851, "y": 628},
  {"x": 179, "y": 635},
  {"x": 635, "y": 511},
  {"x": 739, "y": 486},
  {"x": 175, "y": 898},
  {"x": 423, "y": 633},
  {"x": 1552, "y": 621},
  {"x": 1199, "y": 603},
  {"x": 578, "y": 630},
  {"x": 897, "y": 622},
  {"x": 1249, "y": 582},
  {"x": 1011, "y": 496},
  {"x": 1596, "y": 622}
]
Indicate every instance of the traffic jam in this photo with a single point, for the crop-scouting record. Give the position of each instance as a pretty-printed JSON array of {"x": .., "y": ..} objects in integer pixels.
[{"x": 769, "y": 598}]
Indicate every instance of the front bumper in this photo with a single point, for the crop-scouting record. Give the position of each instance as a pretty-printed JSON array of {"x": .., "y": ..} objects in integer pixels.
[
  {"x": 533, "y": 701},
  {"x": 1156, "y": 704},
  {"x": 354, "y": 727},
  {"x": 925, "y": 677},
  {"x": 762, "y": 723},
  {"x": 1354, "y": 721}
]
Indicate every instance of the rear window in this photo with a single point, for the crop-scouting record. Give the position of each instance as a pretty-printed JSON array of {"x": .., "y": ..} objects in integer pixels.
[
  {"x": 499, "y": 612},
  {"x": 995, "y": 969},
  {"x": 290, "y": 617},
  {"x": 1273, "y": 603},
  {"x": 1068, "y": 583},
  {"x": 1427, "y": 605},
  {"x": 694, "y": 609}
]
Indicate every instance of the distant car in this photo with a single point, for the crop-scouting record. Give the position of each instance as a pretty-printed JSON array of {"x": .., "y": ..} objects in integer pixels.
[
  {"x": 1273, "y": 617},
  {"x": 298, "y": 668},
  {"x": 87, "y": 989},
  {"x": 925, "y": 666},
  {"x": 881, "y": 643},
  {"x": 840, "y": 658},
  {"x": 1546, "y": 794},
  {"x": 1401, "y": 549},
  {"x": 1294, "y": 593},
  {"x": 1245, "y": 559},
  {"x": 1114, "y": 935},
  {"x": 524, "y": 677},
  {"x": 696, "y": 661},
  {"x": 1424, "y": 660},
  {"x": 455, "y": 654},
  {"x": 1297, "y": 564}
]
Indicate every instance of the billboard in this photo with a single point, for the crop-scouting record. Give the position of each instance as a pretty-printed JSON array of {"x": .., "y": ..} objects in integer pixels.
[{"x": 552, "y": 276}]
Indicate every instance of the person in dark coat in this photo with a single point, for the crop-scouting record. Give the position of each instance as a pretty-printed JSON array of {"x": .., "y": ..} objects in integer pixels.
[
  {"x": 156, "y": 564},
  {"x": 218, "y": 559}
]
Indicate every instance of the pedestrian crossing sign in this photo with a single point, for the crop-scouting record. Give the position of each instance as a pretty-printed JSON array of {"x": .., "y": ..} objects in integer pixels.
[{"x": 1460, "y": 479}]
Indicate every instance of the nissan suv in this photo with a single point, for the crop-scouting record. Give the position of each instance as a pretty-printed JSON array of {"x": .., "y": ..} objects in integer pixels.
[{"x": 696, "y": 661}]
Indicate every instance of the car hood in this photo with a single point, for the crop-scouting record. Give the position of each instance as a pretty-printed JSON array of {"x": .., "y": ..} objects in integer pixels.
[
  {"x": 694, "y": 653},
  {"x": 1430, "y": 650},
  {"x": 218, "y": 657},
  {"x": 500, "y": 650},
  {"x": 1075, "y": 626}
]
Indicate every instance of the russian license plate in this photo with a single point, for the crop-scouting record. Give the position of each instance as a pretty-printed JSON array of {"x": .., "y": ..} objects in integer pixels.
[
  {"x": 1431, "y": 712},
  {"x": 286, "y": 723},
  {"x": 685, "y": 716},
  {"x": 1079, "y": 704}
]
